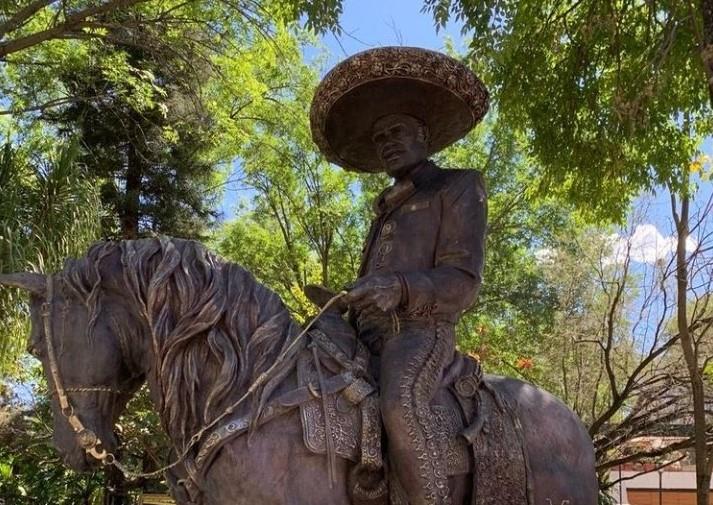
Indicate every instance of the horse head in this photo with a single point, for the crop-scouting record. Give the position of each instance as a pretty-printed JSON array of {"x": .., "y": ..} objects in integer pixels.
[
  {"x": 74, "y": 333},
  {"x": 198, "y": 330}
]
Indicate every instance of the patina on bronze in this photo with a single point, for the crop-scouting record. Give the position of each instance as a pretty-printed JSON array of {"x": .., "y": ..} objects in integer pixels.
[
  {"x": 201, "y": 331},
  {"x": 389, "y": 109},
  {"x": 203, "y": 334}
]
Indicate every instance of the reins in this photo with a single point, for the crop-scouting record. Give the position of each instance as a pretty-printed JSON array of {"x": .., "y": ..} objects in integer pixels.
[{"x": 90, "y": 442}]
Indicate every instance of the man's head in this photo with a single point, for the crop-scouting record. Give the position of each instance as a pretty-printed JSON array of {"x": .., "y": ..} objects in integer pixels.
[{"x": 401, "y": 143}]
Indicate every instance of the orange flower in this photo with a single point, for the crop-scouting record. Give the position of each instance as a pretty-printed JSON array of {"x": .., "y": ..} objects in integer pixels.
[{"x": 524, "y": 363}]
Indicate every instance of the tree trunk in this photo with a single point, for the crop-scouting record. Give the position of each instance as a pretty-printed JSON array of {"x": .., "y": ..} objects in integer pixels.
[
  {"x": 690, "y": 354},
  {"x": 706, "y": 8},
  {"x": 132, "y": 197},
  {"x": 325, "y": 268}
]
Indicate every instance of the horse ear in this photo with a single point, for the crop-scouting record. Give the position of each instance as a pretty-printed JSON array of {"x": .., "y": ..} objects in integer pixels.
[{"x": 32, "y": 282}]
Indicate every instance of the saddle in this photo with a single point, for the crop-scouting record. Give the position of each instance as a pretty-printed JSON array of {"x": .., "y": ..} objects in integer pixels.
[
  {"x": 476, "y": 427},
  {"x": 339, "y": 410}
]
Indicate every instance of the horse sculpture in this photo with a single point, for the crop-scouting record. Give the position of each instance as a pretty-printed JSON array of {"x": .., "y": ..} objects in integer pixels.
[{"x": 203, "y": 333}]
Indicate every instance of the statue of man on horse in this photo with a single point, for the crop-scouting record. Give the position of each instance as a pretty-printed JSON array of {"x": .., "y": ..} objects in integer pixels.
[
  {"x": 388, "y": 110},
  {"x": 252, "y": 404}
]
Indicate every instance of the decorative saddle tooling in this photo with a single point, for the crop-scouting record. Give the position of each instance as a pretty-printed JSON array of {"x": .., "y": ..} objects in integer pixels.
[
  {"x": 336, "y": 396},
  {"x": 474, "y": 425}
]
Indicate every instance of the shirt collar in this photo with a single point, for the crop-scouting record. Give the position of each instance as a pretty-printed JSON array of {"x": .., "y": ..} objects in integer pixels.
[{"x": 402, "y": 189}]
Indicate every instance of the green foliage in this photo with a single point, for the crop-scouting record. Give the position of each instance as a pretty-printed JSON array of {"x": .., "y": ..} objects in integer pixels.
[
  {"x": 300, "y": 225},
  {"x": 161, "y": 94},
  {"x": 320, "y": 16},
  {"x": 708, "y": 373},
  {"x": 173, "y": 88},
  {"x": 150, "y": 156},
  {"x": 305, "y": 222},
  {"x": 48, "y": 212},
  {"x": 64, "y": 40},
  {"x": 571, "y": 363},
  {"x": 613, "y": 96},
  {"x": 31, "y": 471}
]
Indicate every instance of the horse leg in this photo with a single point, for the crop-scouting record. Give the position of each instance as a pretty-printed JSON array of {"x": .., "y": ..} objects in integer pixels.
[
  {"x": 560, "y": 451},
  {"x": 274, "y": 468}
]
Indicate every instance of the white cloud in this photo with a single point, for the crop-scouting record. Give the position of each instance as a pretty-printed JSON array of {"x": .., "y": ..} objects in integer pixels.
[
  {"x": 645, "y": 245},
  {"x": 545, "y": 255}
]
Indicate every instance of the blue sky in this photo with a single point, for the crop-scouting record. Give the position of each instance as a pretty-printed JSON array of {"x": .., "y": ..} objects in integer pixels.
[
  {"x": 372, "y": 23},
  {"x": 366, "y": 24}
]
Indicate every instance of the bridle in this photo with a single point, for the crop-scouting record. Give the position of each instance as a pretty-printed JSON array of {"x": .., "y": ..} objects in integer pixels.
[
  {"x": 89, "y": 441},
  {"x": 86, "y": 438}
]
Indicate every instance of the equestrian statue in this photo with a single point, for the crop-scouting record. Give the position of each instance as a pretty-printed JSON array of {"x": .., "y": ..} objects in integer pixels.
[{"x": 368, "y": 404}]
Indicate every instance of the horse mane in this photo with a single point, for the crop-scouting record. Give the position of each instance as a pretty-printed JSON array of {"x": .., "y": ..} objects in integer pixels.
[{"x": 213, "y": 328}]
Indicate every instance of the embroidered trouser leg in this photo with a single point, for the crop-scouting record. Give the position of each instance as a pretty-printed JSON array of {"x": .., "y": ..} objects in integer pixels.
[{"x": 412, "y": 363}]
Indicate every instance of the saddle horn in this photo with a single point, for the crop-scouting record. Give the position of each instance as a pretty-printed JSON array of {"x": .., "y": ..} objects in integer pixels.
[{"x": 32, "y": 282}]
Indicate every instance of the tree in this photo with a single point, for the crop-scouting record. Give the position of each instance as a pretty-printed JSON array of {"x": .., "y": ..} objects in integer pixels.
[
  {"x": 31, "y": 472},
  {"x": 146, "y": 86},
  {"x": 151, "y": 109},
  {"x": 306, "y": 223},
  {"x": 41, "y": 38},
  {"x": 149, "y": 92},
  {"x": 688, "y": 269},
  {"x": 613, "y": 354},
  {"x": 515, "y": 307},
  {"x": 615, "y": 97},
  {"x": 612, "y": 95},
  {"x": 48, "y": 212},
  {"x": 303, "y": 224},
  {"x": 152, "y": 159}
]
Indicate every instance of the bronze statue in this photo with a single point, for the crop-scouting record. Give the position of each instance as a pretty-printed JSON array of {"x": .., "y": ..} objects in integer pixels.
[
  {"x": 424, "y": 255},
  {"x": 201, "y": 331},
  {"x": 261, "y": 411}
]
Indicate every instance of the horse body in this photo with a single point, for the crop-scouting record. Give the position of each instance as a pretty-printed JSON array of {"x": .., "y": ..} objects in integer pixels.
[
  {"x": 275, "y": 468},
  {"x": 200, "y": 331}
]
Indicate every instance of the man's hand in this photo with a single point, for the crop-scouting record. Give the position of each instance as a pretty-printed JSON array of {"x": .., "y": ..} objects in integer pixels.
[{"x": 380, "y": 291}]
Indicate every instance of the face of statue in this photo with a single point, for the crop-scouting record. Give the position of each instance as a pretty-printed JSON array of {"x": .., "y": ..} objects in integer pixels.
[{"x": 401, "y": 143}]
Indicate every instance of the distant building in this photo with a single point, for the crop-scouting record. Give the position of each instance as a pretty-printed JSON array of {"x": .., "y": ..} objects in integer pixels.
[{"x": 643, "y": 484}]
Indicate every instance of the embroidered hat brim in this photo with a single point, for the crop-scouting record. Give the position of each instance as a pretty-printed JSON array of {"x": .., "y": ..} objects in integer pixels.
[{"x": 428, "y": 85}]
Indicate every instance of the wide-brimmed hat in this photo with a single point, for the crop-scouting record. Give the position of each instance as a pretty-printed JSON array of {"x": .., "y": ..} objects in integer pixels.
[{"x": 433, "y": 87}]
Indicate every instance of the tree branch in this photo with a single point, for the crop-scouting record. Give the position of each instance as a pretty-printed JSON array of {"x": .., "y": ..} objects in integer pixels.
[
  {"x": 69, "y": 23},
  {"x": 675, "y": 446},
  {"x": 21, "y": 16},
  {"x": 638, "y": 474}
]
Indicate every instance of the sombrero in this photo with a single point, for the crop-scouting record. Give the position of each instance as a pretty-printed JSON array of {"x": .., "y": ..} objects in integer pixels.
[{"x": 428, "y": 85}]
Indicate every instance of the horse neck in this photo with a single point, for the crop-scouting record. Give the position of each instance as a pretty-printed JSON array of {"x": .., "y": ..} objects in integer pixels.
[{"x": 204, "y": 352}]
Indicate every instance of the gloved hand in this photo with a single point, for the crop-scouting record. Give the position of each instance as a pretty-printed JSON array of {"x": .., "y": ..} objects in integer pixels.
[{"x": 381, "y": 291}]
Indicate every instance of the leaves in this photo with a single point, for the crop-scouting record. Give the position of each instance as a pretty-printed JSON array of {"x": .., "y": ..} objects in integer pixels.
[
  {"x": 612, "y": 96},
  {"x": 30, "y": 469},
  {"x": 300, "y": 225},
  {"x": 49, "y": 212}
]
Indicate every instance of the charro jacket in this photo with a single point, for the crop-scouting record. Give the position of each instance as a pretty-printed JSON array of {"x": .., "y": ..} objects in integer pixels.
[{"x": 430, "y": 231}]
